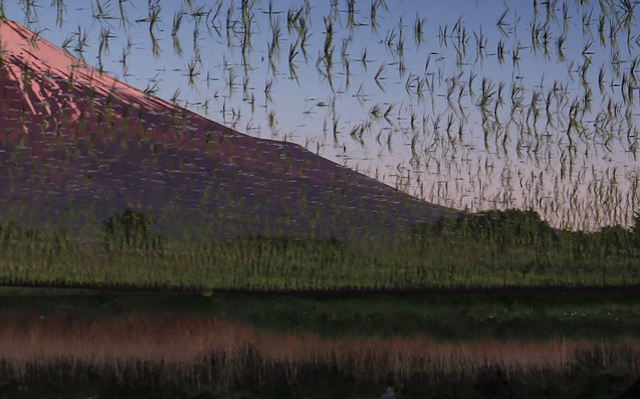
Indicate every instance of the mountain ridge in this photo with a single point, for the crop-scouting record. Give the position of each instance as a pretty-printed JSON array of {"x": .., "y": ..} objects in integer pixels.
[{"x": 100, "y": 138}]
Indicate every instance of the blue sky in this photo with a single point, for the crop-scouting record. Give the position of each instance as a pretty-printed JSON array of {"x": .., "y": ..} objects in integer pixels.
[{"x": 302, "y": 111}]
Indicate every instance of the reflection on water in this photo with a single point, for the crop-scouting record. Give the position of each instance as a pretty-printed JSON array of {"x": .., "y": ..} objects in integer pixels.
[{"x": 192, "y": 355}]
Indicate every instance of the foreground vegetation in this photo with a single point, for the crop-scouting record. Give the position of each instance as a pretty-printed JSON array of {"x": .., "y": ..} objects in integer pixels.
[
  {"x": 594, "y": 381},
  {"x": 493, "y": 249},
  {"x": 566, "y": 345},
  {"x": 219, "y": 358}
]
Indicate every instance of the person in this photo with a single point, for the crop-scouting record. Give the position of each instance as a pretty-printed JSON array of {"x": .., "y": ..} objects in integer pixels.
[{"x": 390, "y": 394}]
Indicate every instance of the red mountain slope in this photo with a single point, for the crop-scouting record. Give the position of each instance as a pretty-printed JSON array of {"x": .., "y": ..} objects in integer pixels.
[{"x": 73, "y": 140}]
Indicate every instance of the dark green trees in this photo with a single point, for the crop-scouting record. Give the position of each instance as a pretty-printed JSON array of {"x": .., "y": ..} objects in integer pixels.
[
  {"x": 519, "y": 238},
  {"x": 491, "y": 238},
  {"x": 130, "y": 230},
  {"x": 511, "y": 227}
]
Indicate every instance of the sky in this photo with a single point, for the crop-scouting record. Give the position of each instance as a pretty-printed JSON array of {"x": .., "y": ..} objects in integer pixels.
[{"x": 556, "y": 129}]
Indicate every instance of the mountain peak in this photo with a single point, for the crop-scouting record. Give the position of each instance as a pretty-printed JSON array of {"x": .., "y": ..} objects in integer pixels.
[
  {"x": 100, "y": 144},
  {"x": 16, "y": 41},
  {"x": 48, "y": 82}
]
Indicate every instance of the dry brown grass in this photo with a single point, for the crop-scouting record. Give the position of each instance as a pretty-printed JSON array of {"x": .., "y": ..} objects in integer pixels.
[{"x": 228, "y": 350}]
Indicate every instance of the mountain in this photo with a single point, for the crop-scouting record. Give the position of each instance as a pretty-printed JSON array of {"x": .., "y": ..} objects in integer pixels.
[{"x": 79, "y": 145}]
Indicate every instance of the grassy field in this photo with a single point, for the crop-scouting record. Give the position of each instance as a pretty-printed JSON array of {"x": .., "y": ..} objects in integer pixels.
[{"x": 489, "y": 250}]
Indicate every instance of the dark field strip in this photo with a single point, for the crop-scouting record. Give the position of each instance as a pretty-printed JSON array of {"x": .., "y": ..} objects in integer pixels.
[
  {"x": 64, "y": 289},
  {"x": 442, "y": 316}
]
